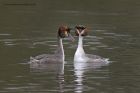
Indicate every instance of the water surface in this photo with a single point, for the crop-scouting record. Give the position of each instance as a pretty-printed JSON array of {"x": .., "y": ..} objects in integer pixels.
[{"x": 28, "y": 28}]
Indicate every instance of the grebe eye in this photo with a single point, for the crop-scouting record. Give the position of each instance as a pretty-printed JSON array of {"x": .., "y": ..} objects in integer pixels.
[{"x": 62, "y": 35}]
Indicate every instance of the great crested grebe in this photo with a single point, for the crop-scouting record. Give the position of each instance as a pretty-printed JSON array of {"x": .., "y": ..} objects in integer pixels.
[
  {"x": 80, "y": 55},
  {"x": 58, "y": 56}
]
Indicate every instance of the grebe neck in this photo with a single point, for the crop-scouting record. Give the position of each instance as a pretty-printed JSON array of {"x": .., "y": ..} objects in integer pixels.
[
  {"x": 80, "y": 51},
  {"x": 60, "y": 49}
]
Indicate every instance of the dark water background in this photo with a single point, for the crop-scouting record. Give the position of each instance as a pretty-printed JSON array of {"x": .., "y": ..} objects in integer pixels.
[{"x": 28, "y": 28}]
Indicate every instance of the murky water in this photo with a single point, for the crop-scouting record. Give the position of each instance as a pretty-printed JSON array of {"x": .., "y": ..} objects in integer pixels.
[{"x": 28, "y": 28}]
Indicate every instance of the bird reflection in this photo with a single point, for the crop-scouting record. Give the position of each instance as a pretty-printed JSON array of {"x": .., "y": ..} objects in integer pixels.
[
  {"x": 79, "y": 73},
  {"x": 57, "y": 68},
  {"x": 79, "y": 70}
]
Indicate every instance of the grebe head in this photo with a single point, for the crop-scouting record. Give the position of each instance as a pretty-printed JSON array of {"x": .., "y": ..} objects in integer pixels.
[
  {"x": 80, "y": 30},
  {"x": 64, "y": 32}
]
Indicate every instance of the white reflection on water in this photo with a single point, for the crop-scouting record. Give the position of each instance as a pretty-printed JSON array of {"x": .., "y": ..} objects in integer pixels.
[
  {"x": 57, "y": 67},
  {"x": 79, "y": 70}
]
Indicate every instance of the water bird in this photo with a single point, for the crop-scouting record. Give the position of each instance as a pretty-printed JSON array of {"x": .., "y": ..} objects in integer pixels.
[
  {"x": 80, "y": 55},
  {"x": 58, "y": 56}
]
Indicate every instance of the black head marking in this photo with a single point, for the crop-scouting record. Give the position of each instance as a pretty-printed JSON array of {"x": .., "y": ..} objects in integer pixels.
[{"x": 79, "y": 30}]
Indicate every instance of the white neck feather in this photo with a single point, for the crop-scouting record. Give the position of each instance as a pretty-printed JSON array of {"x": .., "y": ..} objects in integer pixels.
[
  {"x": 80, "y": 53},
  {"x": 60, "y": 49}
]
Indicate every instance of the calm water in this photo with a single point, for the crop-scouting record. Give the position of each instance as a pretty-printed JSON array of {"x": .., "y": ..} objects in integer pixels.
[{"x": 28, "y": 28}]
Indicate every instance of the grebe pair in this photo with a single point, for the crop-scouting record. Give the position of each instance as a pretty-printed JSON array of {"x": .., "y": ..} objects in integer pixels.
[{"x": 80, "y": 55}]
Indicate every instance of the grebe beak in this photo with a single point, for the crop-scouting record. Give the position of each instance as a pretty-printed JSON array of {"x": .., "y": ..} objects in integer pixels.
[
  {"x": 66, "y": 33},
  {"x": 70, "y": 37}
]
